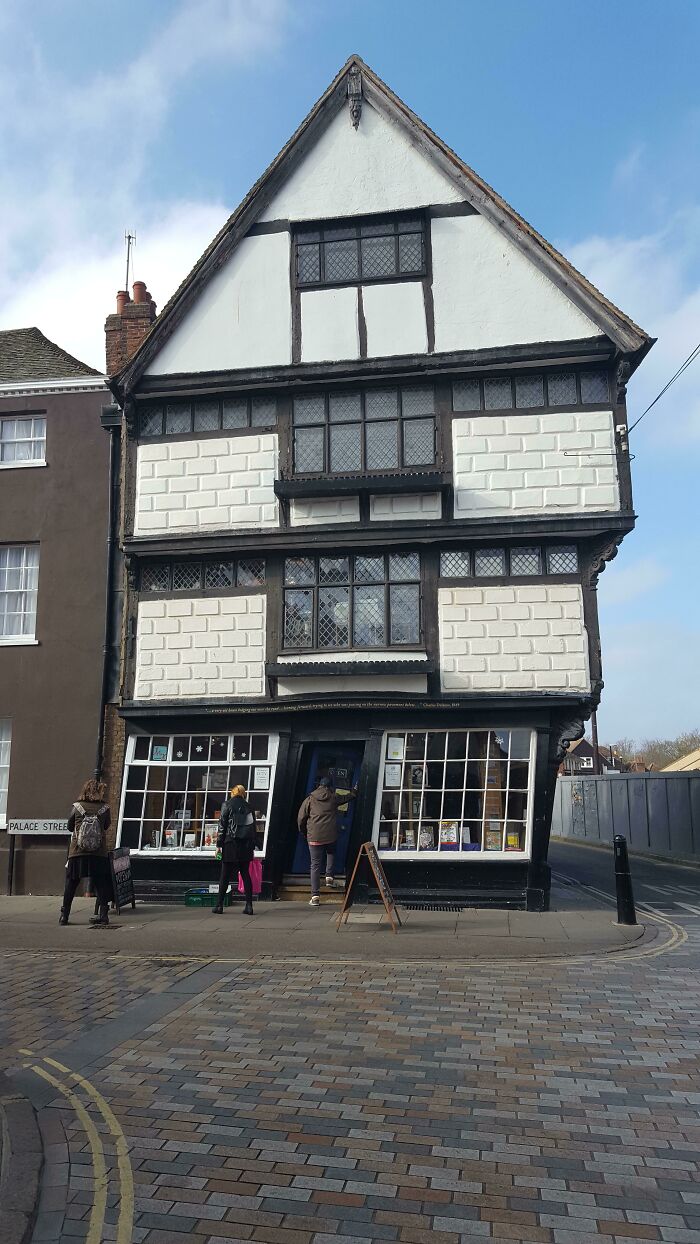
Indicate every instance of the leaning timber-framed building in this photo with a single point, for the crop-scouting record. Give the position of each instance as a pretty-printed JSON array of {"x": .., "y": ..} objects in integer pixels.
[{"x": 376, "y": 457}]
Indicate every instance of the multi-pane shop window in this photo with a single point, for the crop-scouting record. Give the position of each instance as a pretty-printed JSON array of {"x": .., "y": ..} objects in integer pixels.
[
  {"x": 383, "y": 429},
  {"x": 22, "y": 441},
  {"x": 352, "y": 602},
  {"x": 185, "y": 418},
  {"x": 519, "y": 560},
  {"x": 350, "y": 253},
  {"x": 195, "y": 576},
  {"x": 19, "y": 580},
  {"x": 175, "y": 785},
  {"x": 5, "y": 741},
  {"x": 456, "y": 791},
  {"x": 531, "y": 391}
]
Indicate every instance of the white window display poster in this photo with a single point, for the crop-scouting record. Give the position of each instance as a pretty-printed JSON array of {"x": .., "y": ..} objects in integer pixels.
[
  {"x": 261, "y": 778},
  {"x": 392, "y": 775},
  {"x": 394, "y": 748}
]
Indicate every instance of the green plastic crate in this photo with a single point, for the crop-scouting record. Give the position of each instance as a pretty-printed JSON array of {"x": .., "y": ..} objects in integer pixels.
[{"x": 204, "y": 898}]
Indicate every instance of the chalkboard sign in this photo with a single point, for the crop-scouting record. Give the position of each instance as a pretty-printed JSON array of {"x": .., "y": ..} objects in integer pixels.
[
  {"x": 122, "y": 880},
  {"x": 369, "y": 851}
]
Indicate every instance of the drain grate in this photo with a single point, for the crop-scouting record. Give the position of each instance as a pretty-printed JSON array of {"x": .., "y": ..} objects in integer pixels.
[{"x": 457, "y": 907}]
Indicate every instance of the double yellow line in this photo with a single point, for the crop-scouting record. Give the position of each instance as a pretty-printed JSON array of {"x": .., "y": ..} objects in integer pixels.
[{"x": 126, "y": 1179}]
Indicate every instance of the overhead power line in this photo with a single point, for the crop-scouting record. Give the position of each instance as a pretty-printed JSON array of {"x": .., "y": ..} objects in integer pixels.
[{"x": 683, "y": 367}]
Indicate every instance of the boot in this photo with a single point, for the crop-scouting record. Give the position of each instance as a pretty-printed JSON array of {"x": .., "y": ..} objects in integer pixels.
[
  {"x": 102, "y": 918},
  {"x": 248, "y": 909},
  {"x": 218, "y": 910},
  {"x": 63, "y": 918}
]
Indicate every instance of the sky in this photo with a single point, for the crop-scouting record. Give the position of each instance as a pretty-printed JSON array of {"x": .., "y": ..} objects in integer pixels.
[{"x": 584, "y": 114}]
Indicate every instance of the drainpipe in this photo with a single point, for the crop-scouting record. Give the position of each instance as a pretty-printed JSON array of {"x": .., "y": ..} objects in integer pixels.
[
  {"x": 594, "y": 740},
  {"x": 111, "y": 421}
]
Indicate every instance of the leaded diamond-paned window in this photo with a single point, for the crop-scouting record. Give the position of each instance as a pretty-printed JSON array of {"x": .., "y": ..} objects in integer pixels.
[
  {"x": 191, "y": 576},
  {"x": 187, "y": 576},
  {"x": 219, "y": 575},
  {"x": 250, "y": 572},
  {"x": 352, "y": 602},
  {"x": 156, "y": 577},
  {"x": 529, "y": 391},
  {"x": 498, "y": 394},
  {"x": 488, "y": 562},
  {"x": 374, "y": 430},
  {"x": 203, "y": 415},
  {"x": 561, "y": 388},
  {"x": 350, "y": 252},
  {"x": 594, "y": 387},
  {"x": 525, "y": 561},
  {"x": 562, "y": 559},
  {"x": 456, "y": 564},
  {"x": 466, "y": 395}
]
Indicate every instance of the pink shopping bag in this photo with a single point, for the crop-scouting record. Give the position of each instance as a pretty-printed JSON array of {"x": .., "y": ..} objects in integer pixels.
[{"x": 255, "y": 870}]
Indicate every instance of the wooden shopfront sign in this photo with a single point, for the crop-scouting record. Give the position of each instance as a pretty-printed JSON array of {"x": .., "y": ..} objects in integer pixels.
[{"x": 368, "y": 851}]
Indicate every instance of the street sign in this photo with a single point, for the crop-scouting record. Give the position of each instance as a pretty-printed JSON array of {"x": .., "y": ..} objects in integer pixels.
[{"x": 30, "y": 826}]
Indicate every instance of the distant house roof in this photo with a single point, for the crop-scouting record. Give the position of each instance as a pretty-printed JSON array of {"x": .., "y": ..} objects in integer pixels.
[
  {"x": 26, "y": 355},
  {"x": 691, "y": 761}
]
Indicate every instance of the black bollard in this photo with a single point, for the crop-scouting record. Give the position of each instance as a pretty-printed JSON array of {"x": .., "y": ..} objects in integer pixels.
[{"x": 623, "y": 882}]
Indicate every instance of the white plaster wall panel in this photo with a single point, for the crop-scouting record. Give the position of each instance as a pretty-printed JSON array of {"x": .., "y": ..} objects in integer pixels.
[
  {"x": 513, "y": 638},
  {"x": 486, "y": 293},
  {"x": 411, "y": 684},
  {"x": 329, "y": 327},
  {"x": 332, "y": 658},
  {"x": 517, "y": 464},
  {"x": 395, "y": 319},
  {"x": 207, "y": 485},
  {"x": 242, "y": 317},
  {"x": 324, "y": 512},
  {"x": 213, "y": 646},
  {"x": 411, "y": 507},
  {"x": 348, "y": 172}
]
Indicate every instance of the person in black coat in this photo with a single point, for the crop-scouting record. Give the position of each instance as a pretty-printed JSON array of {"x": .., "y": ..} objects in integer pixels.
[{"x": 236, "y": 841}]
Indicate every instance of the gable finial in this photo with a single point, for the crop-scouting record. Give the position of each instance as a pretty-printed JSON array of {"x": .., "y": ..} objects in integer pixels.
[{"x": 355, "y": 96}]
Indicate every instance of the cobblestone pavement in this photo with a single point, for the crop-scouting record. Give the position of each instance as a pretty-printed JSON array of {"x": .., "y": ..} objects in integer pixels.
[{"x": 423, "y": 1103}]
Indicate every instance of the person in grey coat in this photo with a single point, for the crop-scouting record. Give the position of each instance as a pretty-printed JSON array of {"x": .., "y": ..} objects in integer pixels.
[{"x": 317, "y": 821}]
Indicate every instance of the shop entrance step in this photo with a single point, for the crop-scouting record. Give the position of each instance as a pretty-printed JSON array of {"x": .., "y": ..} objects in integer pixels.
[{"x": 296, "y": 888}]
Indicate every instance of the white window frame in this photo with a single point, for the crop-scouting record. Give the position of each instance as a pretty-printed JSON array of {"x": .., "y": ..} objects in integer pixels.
[
  {"x": 206, "y": 853},
  {"x": 27, "y": 637},
  {"x": 5, "y": 742},
  {"x": 32, "y": 438},
  {"x": 461, "y": 856}
]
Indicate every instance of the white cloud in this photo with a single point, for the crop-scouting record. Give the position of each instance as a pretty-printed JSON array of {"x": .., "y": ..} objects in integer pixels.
[{"x": 79, "y": 151}]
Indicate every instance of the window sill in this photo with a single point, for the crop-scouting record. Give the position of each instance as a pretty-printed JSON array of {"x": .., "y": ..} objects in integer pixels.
[
  {"x": 20, "y": 466},
  {"x": 431, "y": 480},
  {"x": 299, "y": 667},
  {"x": 450, "y": 857},
  {"x": 19, "y": 641}
]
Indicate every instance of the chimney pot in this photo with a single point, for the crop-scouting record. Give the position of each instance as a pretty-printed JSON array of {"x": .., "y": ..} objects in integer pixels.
[
  {"x": 122, "y": 299},
  {"x": 140, "y": 291}
]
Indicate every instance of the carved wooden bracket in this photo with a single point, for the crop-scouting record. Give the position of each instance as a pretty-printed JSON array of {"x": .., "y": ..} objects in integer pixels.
[
  {"x": 602, "y": 553},
  {"x": 355, "y": 96},
  {"x": 130, "y": 418},
  {"x": 567, "y": 732},
  {"x": 624, "y": 371},
  {"x": 132, "y": 571}
]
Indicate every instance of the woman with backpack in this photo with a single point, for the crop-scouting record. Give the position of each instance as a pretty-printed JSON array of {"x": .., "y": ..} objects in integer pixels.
[
  {"x": 88, "y": 850},
  {"x": 236, "y": 842}
]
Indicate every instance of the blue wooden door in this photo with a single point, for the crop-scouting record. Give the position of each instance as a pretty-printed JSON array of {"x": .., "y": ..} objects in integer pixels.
[{"x": 341, "y": 763}]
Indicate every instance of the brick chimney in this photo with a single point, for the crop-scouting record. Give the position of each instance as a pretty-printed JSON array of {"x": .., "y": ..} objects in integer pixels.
[{"x": 126, "y": 328}]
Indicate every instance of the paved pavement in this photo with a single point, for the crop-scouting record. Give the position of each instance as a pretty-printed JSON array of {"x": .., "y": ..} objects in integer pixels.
[{"x": 427, "y": 1101}]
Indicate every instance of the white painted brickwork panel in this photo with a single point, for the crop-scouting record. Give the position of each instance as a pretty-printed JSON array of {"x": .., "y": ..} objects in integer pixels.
[
  {"x": 207, "y": 485},
  {"x": 324, "y": 511},
  {"x": 412, "y": 506},
  {"x": 517, "y": 464},
  {"x": 200, "y": 648},
  {"x": 513, "y": 639}
]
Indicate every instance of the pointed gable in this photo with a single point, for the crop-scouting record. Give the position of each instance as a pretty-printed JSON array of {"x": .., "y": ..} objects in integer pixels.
[{"x": 491, "y": 280}]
